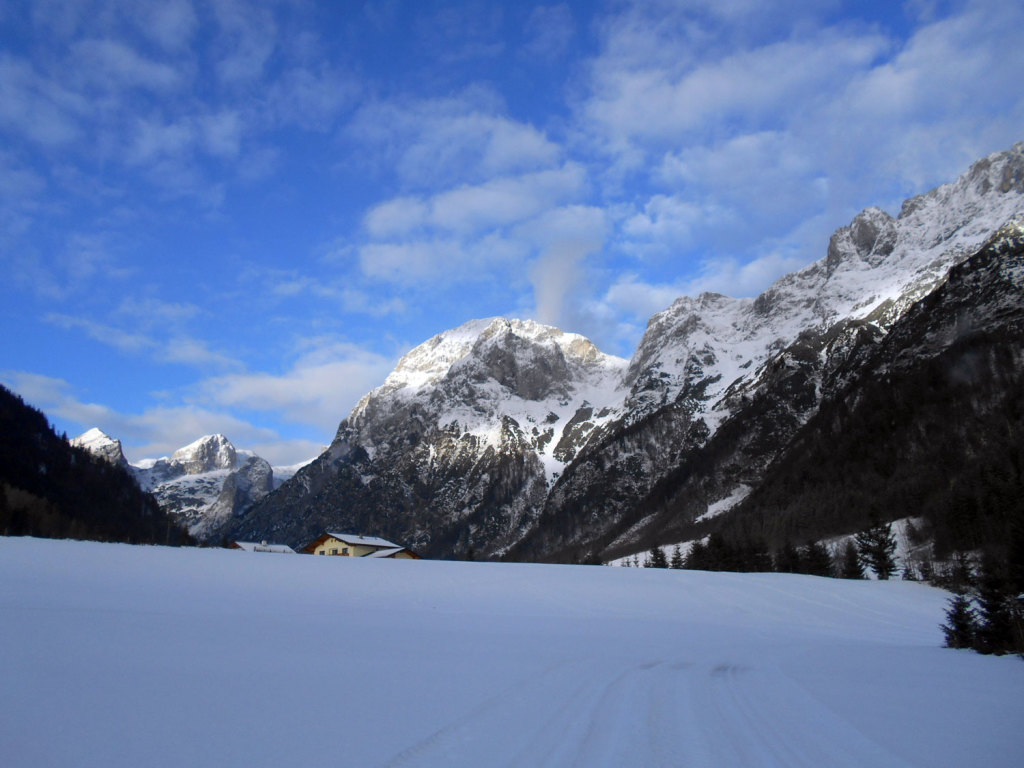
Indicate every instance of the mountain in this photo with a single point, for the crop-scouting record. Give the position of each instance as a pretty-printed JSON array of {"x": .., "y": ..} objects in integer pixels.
[
  {"x": 506, "y": 438},
  {"x": 102, "y": 445},
  {"x": 51, "y": 489},
  {"x": 201, "y": 485},
  {"x": 927, "y": 418},
  {"x": 459, "y": 446}
]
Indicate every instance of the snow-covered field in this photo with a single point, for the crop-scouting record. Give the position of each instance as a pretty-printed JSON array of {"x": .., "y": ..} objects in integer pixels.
[{"x": 112, "y": 655}]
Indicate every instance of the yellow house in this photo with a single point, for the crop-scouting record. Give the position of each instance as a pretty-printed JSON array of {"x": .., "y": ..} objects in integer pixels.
[{"x": 350, "y": 545}]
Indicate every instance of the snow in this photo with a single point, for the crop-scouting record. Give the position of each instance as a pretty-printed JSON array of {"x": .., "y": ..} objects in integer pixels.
[
  {"x": 365, "y": 541},
  {"x": 112, "y": 655},
  {"x": 724, "y": 505}
]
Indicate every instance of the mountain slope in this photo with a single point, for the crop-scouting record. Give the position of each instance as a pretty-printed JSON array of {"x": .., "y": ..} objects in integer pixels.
[
  {"x": 507, "y": 438},
  {"x": 51, "y": 489},
  {"x": 928, "y": 420}
]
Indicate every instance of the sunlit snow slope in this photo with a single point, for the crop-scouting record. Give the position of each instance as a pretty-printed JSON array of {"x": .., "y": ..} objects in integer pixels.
[{"x": 112, "y": 655}]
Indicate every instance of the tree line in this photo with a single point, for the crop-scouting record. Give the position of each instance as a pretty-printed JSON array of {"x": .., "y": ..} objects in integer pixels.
[{"x": 51, "y": 489}]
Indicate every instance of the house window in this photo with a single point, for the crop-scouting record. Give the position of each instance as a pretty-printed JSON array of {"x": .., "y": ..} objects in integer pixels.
[
  {"x": 334, "y": 551},
  {"x": 344, "y": 551}
]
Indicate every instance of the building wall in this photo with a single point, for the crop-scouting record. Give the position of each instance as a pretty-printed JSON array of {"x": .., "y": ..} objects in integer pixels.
[{"x": 343, "y": 549}]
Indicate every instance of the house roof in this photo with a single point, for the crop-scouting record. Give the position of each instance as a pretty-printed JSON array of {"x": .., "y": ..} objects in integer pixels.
[
  {"x": 384, "y": 552},
  {"x": 254, "y": 546},
  {"x": 365, "y": 541}
]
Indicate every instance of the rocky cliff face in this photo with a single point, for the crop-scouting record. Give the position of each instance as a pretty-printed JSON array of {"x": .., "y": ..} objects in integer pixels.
[
  {"x": 100, "y": 444},
  {"x": 507, "y": 438},
  {"x": 201, "y": 486}
]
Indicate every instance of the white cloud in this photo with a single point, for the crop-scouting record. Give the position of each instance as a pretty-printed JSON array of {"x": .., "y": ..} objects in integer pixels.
[
  {"x": 248, "y": 38},
  {"x": 445, "y": 141},
  {"x": 170, "y": 23},
  {"x": 111, "y": 64},
  {"x": 312, "y": 97},
  {"x": 195, "y": 352},
  {"x": 638, "y": 299},
  {"x": 178, "y": 348},
  {"x": 35, "y": 107},
  {"x": 125, "y": 341},
  {"x": 320, "y": 388},
  {"x": 471, "y": 208}
]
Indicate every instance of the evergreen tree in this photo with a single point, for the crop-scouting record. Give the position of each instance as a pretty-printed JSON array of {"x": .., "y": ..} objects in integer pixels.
[
  {"x": 787, "y": 559},
  {"x": 995, "y": 627},
  {"x": 849, "y": 566},
  {"x": 876, "y": 546},
  {"x": 677, "y": 558},
  {"x": 696, "y": 558},
  {"x": 815, "y": 559},
  {"x": 656, "y": 558},
  {"x": 961, "y": 623}
]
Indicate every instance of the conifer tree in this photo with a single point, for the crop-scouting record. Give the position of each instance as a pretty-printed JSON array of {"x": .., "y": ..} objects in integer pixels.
[
  {"x": 876, "y": 546},
  {"x": 696, "y": 558},
  {"x": 995, "y": 628},
  {"x": 656, "y": 558},
  {"x": 849, "y": 566},
  {"x": 815, "y": 559},
  {"x": 787, "y": 560},
  {"x": 961, "y": 623},
  {"x": 677, "y": 558}
]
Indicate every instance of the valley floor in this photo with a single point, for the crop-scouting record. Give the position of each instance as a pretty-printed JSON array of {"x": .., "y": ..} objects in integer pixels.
[{"x": 112, "y": 655}]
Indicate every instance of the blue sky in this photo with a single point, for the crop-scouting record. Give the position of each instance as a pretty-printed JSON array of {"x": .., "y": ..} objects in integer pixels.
[{"x": 235, "y": 216}]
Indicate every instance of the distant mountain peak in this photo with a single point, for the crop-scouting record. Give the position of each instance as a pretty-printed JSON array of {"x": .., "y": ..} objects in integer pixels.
[
  {"x": 206, "y": 454},
  {"x": 101, "y": 444}
]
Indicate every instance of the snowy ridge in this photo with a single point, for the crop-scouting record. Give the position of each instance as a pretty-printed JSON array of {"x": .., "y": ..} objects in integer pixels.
[{"x": 875, "y": 268}]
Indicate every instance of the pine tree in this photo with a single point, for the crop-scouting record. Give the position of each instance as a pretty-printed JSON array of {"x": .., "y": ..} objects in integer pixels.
[
  {"x": 677, "y": 558},
  {"x": 849, "y": 566},
  {"x": 876, "y": 546},
  {"x": 696, "y": 558},
  {"x": 787, "y": 560},
  {"x": 995, "y": 627},
  {"x": 961, "y": 627},
  {"x": 656, "y": 558},
  {"x": 815, "y": 559}
]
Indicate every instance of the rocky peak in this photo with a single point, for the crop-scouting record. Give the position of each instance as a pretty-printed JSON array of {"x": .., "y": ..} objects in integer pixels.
[
  {"x": 205, "y": 455},
  {"x": 101, "y": 444},
  {"x": 870, "y": 237}
]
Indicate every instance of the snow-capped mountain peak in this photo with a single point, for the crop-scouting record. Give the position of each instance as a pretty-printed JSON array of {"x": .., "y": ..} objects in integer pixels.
[
  {"x": 101, "y": 444},
  {"x": 208, "y": 453},
  {"x": 508, "y": 437}
]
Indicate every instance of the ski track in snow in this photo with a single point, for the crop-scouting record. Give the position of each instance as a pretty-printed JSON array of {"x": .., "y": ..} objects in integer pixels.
[
  {"x": 675, "y": 713},
  {"x": 113, "y": 656}
]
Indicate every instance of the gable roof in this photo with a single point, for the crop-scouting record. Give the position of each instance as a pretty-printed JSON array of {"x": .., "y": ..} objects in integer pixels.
[
  {"x": 385, "y": 552},
  {"x": 253, "y": 546},
  {"x": 364, "y": 541}
]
